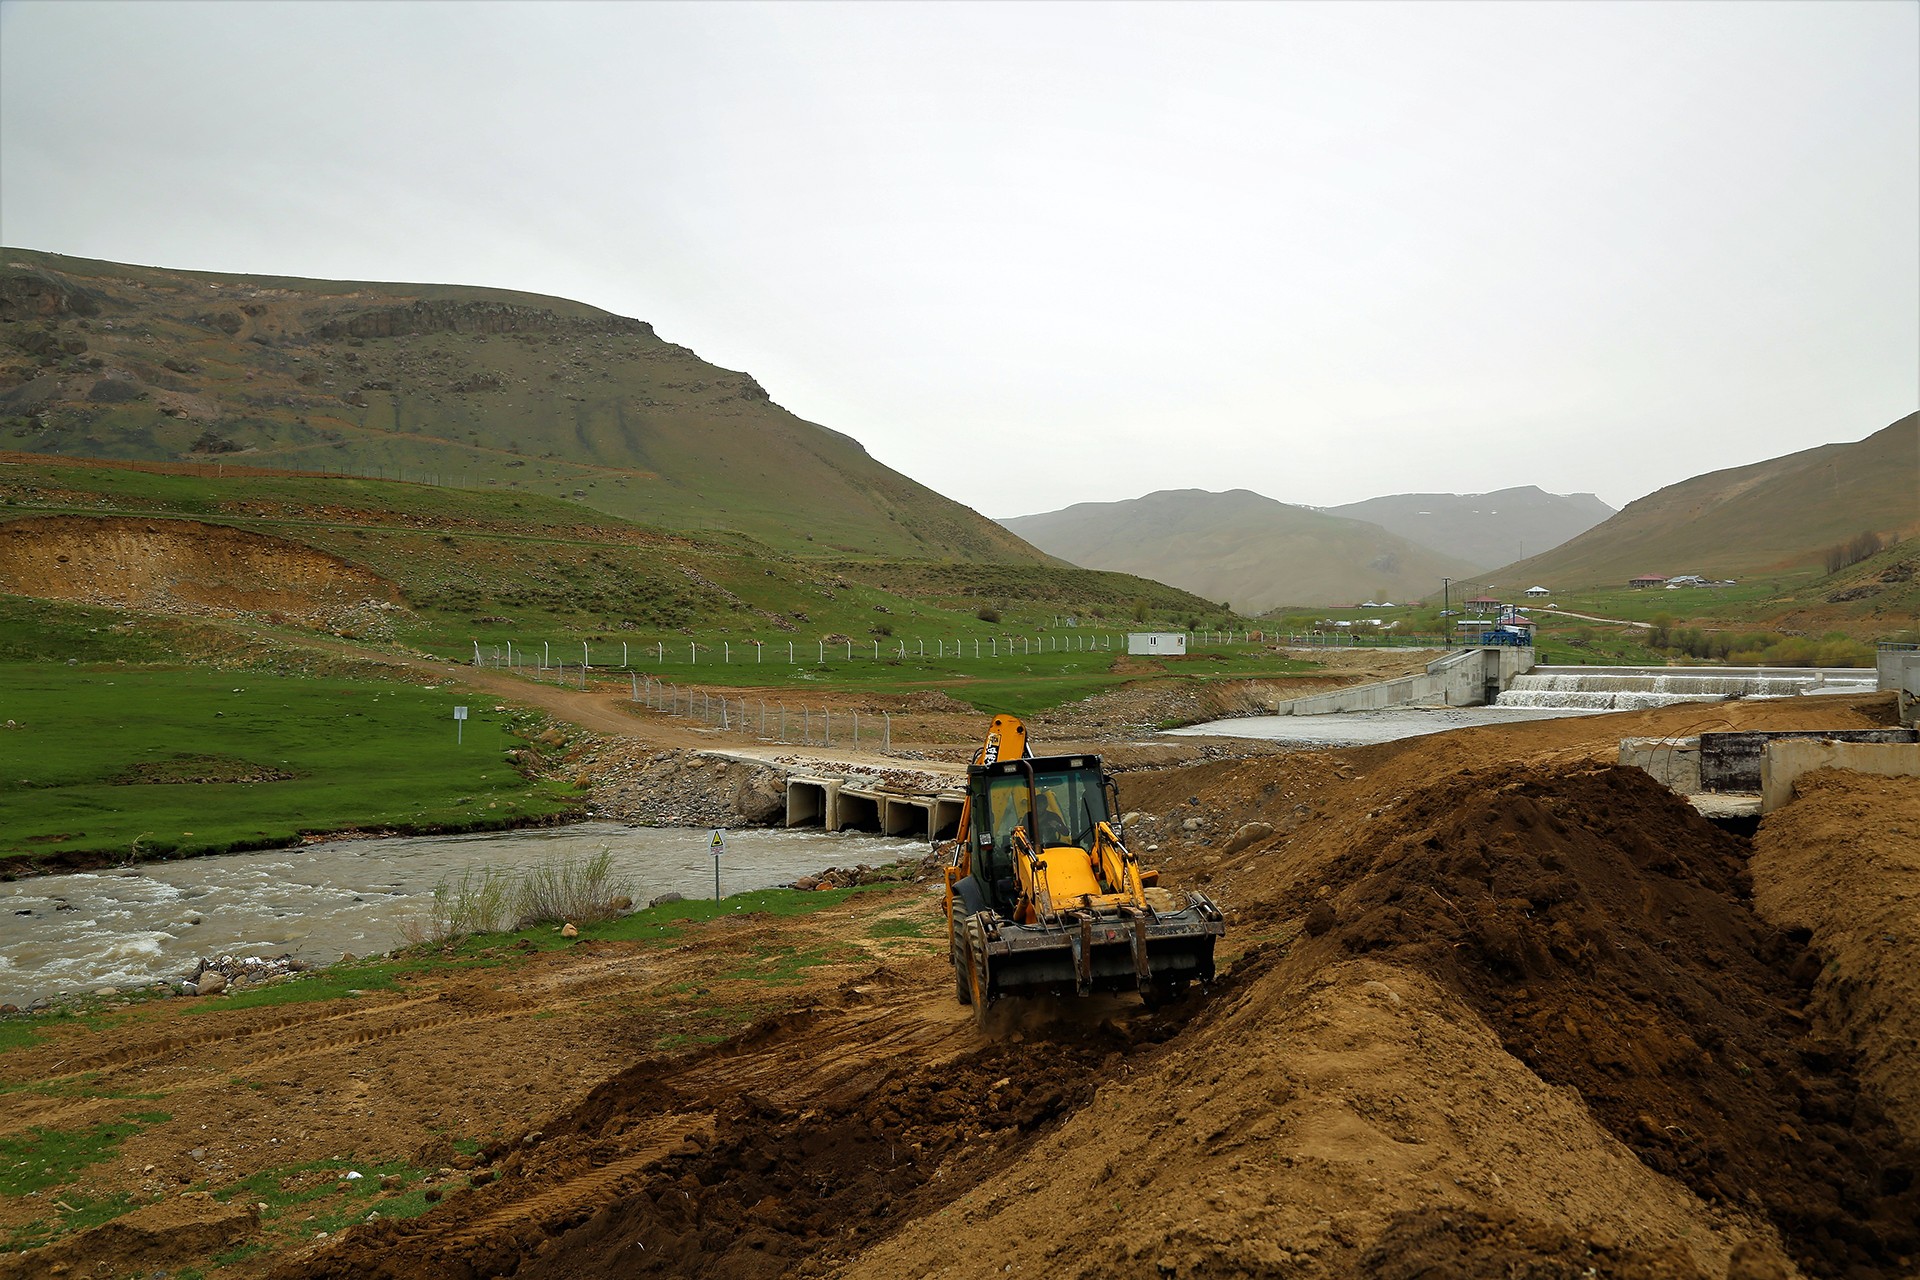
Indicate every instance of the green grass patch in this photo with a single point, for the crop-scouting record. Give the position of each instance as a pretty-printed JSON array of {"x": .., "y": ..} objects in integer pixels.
[
  {"x": 686, "y": 1040},
  {"x": 163, "y": 763},
  {"x": 905, "y": 927},
  {"x": 335, "y": 982},
  {"x": 33, "y": 630},
  {"x": 41, "y": 1159}
]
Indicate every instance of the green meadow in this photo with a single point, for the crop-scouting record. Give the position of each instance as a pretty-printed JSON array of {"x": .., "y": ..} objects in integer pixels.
[{"x": 148, "y": 762}]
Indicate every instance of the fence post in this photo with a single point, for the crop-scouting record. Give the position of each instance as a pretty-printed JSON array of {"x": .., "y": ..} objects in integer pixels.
[
  {"x": 856, "y": 728},
  {"x": 886, "y": 742}
]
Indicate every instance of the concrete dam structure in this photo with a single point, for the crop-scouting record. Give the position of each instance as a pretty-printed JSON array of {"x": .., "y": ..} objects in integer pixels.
[{"x": 1632, "y": 688}]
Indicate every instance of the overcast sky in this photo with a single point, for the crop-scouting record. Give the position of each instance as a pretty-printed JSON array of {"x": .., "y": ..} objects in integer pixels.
[{"x": 1037, "y": 254}]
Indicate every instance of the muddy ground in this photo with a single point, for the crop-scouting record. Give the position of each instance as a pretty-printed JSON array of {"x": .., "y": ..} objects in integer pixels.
[{"x": 1491, "y": 1006}]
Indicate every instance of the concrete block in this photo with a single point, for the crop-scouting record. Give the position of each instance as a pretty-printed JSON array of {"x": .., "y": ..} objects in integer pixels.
[
  {"x": 1673, "y": 762},
  {"x": 1786, "y": 759}
]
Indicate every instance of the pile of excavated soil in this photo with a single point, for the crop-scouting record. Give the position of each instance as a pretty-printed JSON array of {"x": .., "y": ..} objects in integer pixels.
[
  {"x": 184, "y": 567},
  {"x": 1840, "y": 868}
]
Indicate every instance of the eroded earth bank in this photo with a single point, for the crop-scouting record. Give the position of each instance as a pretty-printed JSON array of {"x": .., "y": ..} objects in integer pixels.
[{"x": 1493, "y": 1006}]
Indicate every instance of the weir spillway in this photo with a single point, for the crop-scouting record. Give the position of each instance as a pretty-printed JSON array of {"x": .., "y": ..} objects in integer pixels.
[{"x": 1631, "y": 688}]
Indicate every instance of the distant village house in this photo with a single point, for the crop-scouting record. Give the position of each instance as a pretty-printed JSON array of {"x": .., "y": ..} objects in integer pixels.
[
  {"x": 1538, "y": 592},
  {"x": 1646, "y": 581}
]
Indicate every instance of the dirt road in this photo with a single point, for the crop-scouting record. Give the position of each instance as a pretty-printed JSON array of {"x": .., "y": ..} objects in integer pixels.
[{"x": 1492, "y": 1006}]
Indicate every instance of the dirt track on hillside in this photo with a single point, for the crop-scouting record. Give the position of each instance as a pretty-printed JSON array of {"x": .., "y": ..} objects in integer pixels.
[{"x": 1493, "y": 1007}]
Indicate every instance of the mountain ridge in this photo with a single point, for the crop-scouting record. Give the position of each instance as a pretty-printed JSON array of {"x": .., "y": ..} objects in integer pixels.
[
  {"x": 1239, "y": 546},
  {"x": 497, "y": 388}
]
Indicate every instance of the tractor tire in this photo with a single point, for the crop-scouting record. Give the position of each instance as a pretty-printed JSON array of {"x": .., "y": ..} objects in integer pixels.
[{"x": 979, "y": 976}]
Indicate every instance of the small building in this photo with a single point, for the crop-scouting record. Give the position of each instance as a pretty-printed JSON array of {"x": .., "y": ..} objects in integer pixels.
[
  {"x": 1646, "y": 581},
  {"x": 1160, "y": 644},
  {"x": 1538, "y": 592},
  {"x": 1483, "y": 602}
]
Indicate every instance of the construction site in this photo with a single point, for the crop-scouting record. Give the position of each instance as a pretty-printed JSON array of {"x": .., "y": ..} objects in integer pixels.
[{"x": 1488, "y": 1003}]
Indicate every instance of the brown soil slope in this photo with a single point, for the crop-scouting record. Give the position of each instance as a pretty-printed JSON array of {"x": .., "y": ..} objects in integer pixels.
[{"x": 185, "y": 567}]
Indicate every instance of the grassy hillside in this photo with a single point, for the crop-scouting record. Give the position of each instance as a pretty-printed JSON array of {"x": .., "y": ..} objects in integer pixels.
[
  {"x": 1241, "y": 547},
  {"x": 439, "y": 569},
  {"x": 476, "y": 388},
  {"x": 1775, "y": 518},
  {"x": 1483, "y": 529}
]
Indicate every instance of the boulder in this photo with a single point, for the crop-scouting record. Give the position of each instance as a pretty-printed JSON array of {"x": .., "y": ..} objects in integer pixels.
[
  {"x": 1251, "y": 833},
  {"x": 212, "y": 982}
]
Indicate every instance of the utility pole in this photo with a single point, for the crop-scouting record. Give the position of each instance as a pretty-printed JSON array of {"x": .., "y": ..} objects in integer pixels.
[{"x": 1446, "y": 604}]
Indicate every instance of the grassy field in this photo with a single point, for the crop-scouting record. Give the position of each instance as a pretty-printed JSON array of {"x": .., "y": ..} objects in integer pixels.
[{"x": 145, "y": 762}]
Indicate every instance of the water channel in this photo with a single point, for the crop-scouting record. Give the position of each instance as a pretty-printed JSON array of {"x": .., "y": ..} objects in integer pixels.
[{"x": 130, "y": 925}]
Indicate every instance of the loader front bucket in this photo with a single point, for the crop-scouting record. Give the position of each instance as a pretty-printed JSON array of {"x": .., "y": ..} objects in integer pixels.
[{"x": 1155, "y": 953}]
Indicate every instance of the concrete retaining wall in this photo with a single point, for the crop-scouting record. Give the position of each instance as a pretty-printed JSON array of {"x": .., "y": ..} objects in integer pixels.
[
  {"x": 1785, "y": 760},
  {"x": 1899, "y": 671},
  {"x": 1470, "y": 678},
  {"x": 1673, "y": 762}
]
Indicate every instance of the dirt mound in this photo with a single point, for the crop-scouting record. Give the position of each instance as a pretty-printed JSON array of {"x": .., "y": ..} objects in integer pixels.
[
  {"x": 775, "y": 1185},
  {"x": 1841, "y": 867},
  {"x": 1601, "y": 927},
  {"x": 182, "y": 567}
]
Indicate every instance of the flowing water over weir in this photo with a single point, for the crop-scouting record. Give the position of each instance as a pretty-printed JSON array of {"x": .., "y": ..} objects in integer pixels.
[
  {"x": 1629, "y": 689},
  {"x": 80, "y": 931}
]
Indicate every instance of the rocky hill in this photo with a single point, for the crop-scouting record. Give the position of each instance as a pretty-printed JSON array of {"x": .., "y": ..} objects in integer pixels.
[
  {"x": 1242, "y": 548},
  {"x": 1781, "y": 515},
  {"x": 1484, "y": 529},
  {"x": 479, "y": 388}
]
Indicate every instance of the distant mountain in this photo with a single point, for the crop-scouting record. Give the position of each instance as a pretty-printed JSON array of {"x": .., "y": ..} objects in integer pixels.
[
  {"x": 1774, "y": 516},
  {"x": 485, "y": 388},
  {"x": 1242, "y": 548},
  {"x": 1483, "y": 529}
]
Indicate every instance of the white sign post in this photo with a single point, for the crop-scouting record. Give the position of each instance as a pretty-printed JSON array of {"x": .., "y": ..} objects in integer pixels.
[
  {"x": 719, "y": 846},
  {"x": 459, "y": 724}
]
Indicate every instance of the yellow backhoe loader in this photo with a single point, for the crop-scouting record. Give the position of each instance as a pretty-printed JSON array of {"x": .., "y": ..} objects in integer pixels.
[{"x": 1042, "y": 896}]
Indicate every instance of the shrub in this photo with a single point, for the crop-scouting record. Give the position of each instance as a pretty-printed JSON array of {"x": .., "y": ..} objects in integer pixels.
[
  {"x": 489, "y": 899},
  {"x": 582, "y": 893},
  {"x": 987, "y": 613}
]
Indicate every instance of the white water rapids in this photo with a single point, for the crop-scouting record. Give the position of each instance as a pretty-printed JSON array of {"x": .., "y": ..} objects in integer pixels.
[
  {"x": 1615, "y": 689},
  {"x": 84, "y": 930}
]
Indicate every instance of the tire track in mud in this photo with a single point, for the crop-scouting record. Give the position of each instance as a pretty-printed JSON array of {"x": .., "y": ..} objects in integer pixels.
[
  {"x": 609, "y": 1181},
  {"x": 135, "y": 1055}
]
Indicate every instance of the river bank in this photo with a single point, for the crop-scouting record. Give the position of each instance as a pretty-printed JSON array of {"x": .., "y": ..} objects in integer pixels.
[{"x": 134, "y": 926}]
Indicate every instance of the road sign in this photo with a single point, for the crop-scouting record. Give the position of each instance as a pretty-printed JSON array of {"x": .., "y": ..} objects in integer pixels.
[
  {"x": 719, "y": 846},
  {"x": 459, "y": 724}
]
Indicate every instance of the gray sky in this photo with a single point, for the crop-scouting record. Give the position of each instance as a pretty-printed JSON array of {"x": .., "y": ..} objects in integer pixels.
[{"x": 1037, "y": 254}]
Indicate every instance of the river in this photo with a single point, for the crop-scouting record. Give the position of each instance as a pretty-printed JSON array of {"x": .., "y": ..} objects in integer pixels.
[{"x": 85, "y": 930}]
